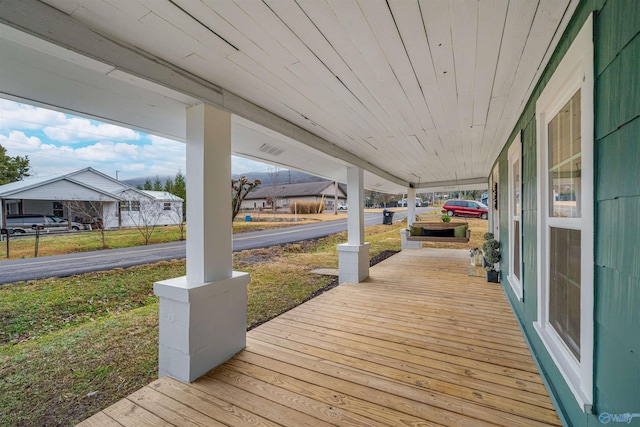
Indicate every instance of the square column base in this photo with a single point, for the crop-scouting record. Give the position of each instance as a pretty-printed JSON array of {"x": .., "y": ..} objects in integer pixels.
[
  {"x": 353, "y": 262},
  {"x": 201, "y": 326},
  {"x": 408, "y": 244}
]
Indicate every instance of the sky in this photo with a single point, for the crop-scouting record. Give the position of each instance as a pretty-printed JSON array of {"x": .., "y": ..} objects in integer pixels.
[{"x": 58, "y": 143}]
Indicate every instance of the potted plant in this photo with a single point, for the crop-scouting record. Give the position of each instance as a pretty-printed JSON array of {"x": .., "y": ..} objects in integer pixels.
[{"x": 492, "y": 256}]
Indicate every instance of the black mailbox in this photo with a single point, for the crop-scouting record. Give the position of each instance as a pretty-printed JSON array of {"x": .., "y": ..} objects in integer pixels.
[
  {"x": 4, "y": 231},
  {"x": 37, "y": 227}
]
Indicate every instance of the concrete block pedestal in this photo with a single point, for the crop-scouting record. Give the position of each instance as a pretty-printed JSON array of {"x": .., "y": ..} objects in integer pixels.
[
  {"x": 201, "y": 326},
  {"x": 354, "y": 262},
  {"x": 408, "y": 244}
]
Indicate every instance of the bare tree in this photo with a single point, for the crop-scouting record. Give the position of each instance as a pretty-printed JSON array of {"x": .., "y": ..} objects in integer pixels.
[
  {"x": 240, "y": 188},
  {"x": 175, "y": 214},
  {"x": 274, "y": 177},
  {"x": 92, "y": 212},
  {"x": 144, "y": 214}
]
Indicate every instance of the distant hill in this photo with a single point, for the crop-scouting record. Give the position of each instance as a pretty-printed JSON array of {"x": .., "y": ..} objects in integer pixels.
[{"x": 283, "y": 177}]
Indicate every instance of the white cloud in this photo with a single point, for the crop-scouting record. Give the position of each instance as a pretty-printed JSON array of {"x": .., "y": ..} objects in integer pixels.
[
  {"x": 105, "y": 147},
  {"x": 76, "y": 130},
  {"x": 18, "y": 142},
  {"x": 14, "y": 115}
]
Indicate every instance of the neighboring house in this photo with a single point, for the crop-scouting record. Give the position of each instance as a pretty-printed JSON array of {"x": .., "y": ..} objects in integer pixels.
[
  {"x": 89, "y": 196},
  {"x": 285, "y": 194}
]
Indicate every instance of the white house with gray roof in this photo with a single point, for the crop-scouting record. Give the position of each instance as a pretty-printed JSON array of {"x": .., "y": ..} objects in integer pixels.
[
  {"x": 86, "y": 194},
  {"x": 285, "y": 194}
]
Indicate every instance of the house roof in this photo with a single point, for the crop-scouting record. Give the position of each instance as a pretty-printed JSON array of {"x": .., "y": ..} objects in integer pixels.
[
  {"x": 420, "y": 94},
  {"x": 164, "y": 196},
  {"x": 18, "y": 189},
  {"x": 305, "y": 189}
]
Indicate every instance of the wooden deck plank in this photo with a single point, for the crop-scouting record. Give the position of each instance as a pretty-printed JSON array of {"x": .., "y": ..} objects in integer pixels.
[
  {"x": 256, "y": 404},
  {"x": 170, "y": 410},
  {"x": 208, "y": 404},
  {"x": 316, "y": 401},
  {"x": 129, "y": 414},
  {"x": 384, "y": 363},
  {"x": 433, "y": 369},
  {"x": 100, "y": 420},
  {"x": 418, "y": 343},
  {"x": 386, "y": 405}
]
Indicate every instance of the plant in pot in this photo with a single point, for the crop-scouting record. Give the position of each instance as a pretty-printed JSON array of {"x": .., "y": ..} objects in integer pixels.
[{"x": 492, "y": 256}]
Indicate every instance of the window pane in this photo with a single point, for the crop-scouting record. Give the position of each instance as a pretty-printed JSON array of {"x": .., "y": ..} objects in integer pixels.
[
  {"x": 565, "y": 160},
  {"x": 564, "y": 286},
  {"x": 516, "y": 249}
]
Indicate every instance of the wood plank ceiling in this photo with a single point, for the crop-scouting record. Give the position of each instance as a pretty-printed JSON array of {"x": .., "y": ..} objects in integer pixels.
[{"x": 426, "y": 90}]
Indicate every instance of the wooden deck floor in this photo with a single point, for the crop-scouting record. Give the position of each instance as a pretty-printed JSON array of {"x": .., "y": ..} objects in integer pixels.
[{"x": 419, "y": 343}]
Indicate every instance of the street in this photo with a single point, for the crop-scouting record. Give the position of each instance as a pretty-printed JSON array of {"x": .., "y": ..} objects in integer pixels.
[{"x": 70, "y": 264}]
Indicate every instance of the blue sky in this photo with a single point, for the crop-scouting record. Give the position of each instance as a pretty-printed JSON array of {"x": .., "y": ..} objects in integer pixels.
[{"x": 58, "y": 143}]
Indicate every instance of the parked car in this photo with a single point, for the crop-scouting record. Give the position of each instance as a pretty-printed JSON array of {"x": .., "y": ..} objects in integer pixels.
[
  {"x": 23, "y": 223},
  {"x": 465, "y": 208},
  {"x": 342, "y": 206},
  {"x": 403, "y": 202}
]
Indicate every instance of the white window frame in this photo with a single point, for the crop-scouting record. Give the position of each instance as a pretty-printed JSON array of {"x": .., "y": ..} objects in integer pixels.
[
  {"x": 514, "y": 155},
  {"x": 575, "y": 72}
]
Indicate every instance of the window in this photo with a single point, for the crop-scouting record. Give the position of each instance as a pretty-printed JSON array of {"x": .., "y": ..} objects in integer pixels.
[
  {"x": 130, "y": 206},
  {"x": 166, "y": 206},
  {"x": 515, "y": 207},
  {"x": 564, "y": 116},
  {"x": 58, "y": 209}
]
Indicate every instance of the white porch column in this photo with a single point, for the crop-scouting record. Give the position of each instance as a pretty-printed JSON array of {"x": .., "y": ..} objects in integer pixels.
[
  {"x": 411, "y": 206},
  {"x": 411, "y": 216},
  {"x": 353, "y": 256},
  {"x": 203, "y": 315}
]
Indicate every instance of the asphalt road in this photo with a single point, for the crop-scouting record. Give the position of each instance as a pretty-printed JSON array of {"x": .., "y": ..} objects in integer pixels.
[{"x": 70, "y": 264}]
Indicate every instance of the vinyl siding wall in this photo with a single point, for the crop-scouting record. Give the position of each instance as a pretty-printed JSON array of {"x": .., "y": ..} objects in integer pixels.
[{"x": 617, "y": 215}]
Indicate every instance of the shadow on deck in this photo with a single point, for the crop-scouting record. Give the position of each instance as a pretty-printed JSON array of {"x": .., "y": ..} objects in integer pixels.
[{"x": 419, "y": 343}]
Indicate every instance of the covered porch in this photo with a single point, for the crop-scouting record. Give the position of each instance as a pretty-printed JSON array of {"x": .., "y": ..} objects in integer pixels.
[{"x": 420, "y": 342}]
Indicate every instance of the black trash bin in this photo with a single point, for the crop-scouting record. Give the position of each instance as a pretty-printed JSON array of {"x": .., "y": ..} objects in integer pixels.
[{"x": 387, "y": 217}]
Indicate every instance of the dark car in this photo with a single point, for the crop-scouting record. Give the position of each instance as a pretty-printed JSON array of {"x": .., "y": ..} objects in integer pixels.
[{"x": 465, "y": 208}]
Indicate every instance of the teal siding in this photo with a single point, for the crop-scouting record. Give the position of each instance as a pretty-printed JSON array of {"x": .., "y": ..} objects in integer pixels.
[
  {"x": 617, "y": 198},
  {"x": 617, "y": 215}
]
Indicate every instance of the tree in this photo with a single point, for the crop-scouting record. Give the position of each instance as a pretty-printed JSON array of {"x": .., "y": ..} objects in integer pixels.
[
  {"x": 94, "y": 213},
  {"x": 168, "y": 185},
  {"x": 12, "y": 169},
  {"x": 180, "y": 190},
  {"x": 240, "y": 188},
  {"x": 274, "y": 178},
  {"x": 157, "y": 184},
  {"x": 144, "y": 214},
  {"x": 175, "y": 214},
  {"x": 147, "y": 185}
]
